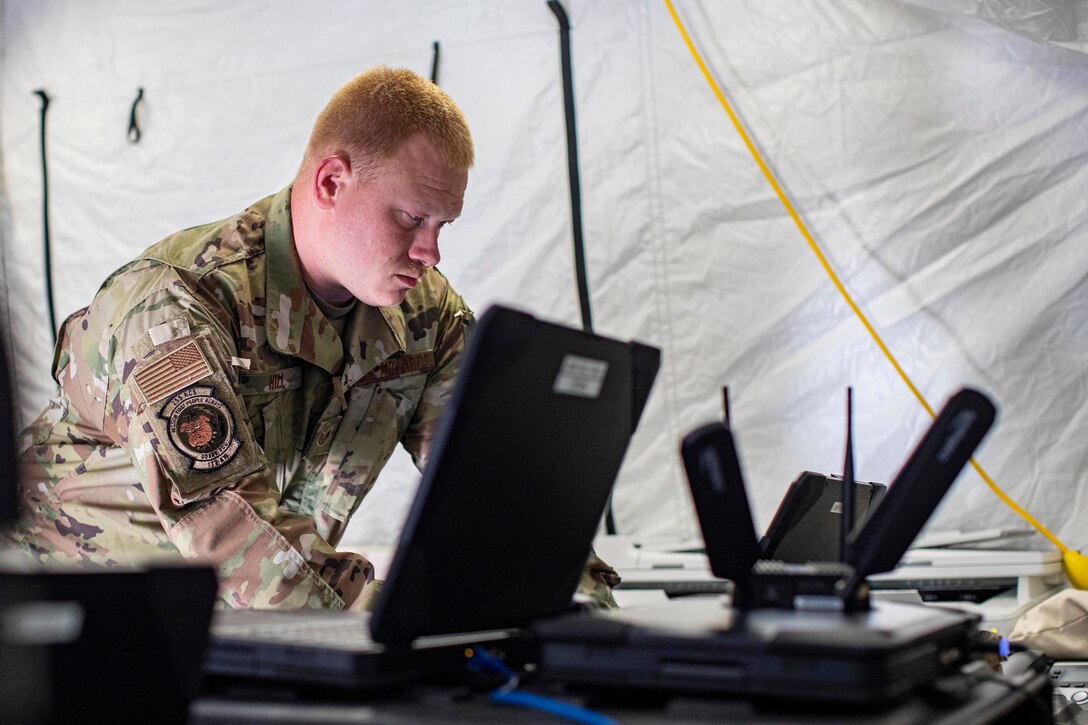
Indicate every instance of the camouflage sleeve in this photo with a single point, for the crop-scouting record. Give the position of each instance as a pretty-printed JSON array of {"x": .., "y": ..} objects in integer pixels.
[
  {"x": 597, "y": 581},
  {"x": 456, "y": 323},
  {"x": 174, "y": 403}
]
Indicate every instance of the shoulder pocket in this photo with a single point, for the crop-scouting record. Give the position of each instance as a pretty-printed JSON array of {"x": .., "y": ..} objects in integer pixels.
[{"x": 188, "y": 402}]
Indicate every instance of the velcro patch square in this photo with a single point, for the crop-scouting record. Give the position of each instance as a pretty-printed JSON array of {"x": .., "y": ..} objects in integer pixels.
[{"x": 178, "y": 370}]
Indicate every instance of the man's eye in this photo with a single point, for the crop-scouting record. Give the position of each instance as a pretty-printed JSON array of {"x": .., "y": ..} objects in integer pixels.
[{"x": 410, "y": 220}]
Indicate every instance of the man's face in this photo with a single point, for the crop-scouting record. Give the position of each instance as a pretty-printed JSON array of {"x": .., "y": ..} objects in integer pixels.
[{"x": 384, "y": 229}]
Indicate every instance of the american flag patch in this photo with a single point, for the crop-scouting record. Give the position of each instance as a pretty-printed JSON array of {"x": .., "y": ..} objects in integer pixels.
[{"x": 179, "y": 369}]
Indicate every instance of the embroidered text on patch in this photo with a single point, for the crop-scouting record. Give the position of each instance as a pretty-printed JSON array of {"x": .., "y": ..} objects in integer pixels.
[
  {"x": 201, "y": 426},
  {"x": 179, "y": 369},
  {"x": 394, "y": 367}
]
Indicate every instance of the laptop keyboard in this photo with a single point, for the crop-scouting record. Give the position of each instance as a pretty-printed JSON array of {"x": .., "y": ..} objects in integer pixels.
[
  {"x": 683, "y": 587},
  {"x": 310, "y": 627}
]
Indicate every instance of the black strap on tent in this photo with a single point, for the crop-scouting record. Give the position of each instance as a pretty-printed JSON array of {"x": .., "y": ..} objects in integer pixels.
[
  {"x": 434, "y": 64},
  {"x": 45, "y": 222},
  {"x": 576, "y": 192},
  {"x": 134, "y": 132},
  {"x": 572, "y": 165}
]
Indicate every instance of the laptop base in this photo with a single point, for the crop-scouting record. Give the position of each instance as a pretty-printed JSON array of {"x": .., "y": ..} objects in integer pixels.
[
  {"x": 700, "y": 645},
  {"x": 330, "y": 649}
]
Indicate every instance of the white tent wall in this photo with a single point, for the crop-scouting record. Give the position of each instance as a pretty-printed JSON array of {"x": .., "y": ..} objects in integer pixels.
[{"x": 937, "y": 159}]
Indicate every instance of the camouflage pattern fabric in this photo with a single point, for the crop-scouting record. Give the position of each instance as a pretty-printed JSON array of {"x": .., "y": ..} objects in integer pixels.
[
  {"x": 207, "y": 410},
  {"x": 597, "y": 581}
]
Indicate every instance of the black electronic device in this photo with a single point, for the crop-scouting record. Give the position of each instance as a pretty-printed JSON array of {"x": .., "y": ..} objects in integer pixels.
[
  {"x": 117, "y": 646},
  {"x": 875, "y": 547},
  {"x": 806, "y": 526},
  {"x": 498, "y": 534},
  {"x": 717, "y": 488},
  {"x": 860, "y": 655},
  {"x": 846, "y": 521},
  {"x": 721, "y": 505},
  {"x": 520, "y": 471},
  {"x": 1070, "y": 680},
  {"x": 819, "y": 511},
  {"x": 920, "y": 484}
]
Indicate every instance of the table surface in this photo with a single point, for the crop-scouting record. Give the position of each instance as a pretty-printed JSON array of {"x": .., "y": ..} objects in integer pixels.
[{"x": 979, "y": 697}]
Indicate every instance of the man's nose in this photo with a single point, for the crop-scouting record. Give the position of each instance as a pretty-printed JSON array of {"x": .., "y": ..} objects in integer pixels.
[{"x": 424, "y": 250}]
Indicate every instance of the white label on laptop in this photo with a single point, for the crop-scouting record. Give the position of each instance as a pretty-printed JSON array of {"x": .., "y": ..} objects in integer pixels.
[
  {"x": 580, "y": 376},
  {"x": 41, "y": 623}
]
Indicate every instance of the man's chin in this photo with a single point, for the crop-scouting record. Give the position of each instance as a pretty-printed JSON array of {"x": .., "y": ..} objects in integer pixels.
[{"x": 386, "y": 299}]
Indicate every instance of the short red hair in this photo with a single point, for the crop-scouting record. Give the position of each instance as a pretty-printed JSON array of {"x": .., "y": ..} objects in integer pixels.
[{"x": 372, "y": 115}]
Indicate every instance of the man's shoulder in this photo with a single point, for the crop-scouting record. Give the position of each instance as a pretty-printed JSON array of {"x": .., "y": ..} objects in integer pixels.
[
  {"x": 431, "y": 306},
  {"x": 433, "y": 284},
  {"x": 207, "y": 247},
  {"x": 181, "y": 266},
  {"x": 433, "y": 293}
]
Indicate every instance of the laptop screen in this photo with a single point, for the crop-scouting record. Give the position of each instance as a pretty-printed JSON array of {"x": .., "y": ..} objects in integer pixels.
[{"x": 519, "y": 474}]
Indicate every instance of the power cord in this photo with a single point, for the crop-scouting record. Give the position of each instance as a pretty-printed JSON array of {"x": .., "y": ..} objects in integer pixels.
[
  {"x": 508, "y": 694},
  {"x": 994, "y": 643},
  {"x": 1045, "y": 708}
]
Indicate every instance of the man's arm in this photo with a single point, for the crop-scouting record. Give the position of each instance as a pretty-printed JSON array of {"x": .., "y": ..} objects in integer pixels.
[
  {"x": 456, "y": 325},
  {"x": 174, "y": 403}
]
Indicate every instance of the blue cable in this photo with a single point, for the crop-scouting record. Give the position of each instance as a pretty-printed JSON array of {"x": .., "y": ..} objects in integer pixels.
[
  {"x": 507, "y": 694},
  {"x": 550, "y": 705}
]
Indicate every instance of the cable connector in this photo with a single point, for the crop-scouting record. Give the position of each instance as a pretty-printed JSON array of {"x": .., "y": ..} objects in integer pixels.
[{"x": 479, "y": 659}]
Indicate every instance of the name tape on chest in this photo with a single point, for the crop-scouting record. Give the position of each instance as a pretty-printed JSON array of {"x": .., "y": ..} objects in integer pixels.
[
  {"x": 395, "y": 367},
  {"x": 275, "y": 381},
  {"x": 178, "y": 370}
]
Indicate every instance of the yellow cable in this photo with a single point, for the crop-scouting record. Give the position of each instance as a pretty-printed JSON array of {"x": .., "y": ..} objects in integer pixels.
[{"x": 835, "y": 278}]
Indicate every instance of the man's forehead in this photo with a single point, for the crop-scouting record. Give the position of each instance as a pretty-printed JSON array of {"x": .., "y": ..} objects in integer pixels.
[{"x": 431, "y": 184}]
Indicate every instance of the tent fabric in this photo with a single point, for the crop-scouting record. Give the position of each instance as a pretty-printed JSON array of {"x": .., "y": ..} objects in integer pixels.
[
  {"x": 1061, "y": 22},
  {"x": 934, "y": 149}
]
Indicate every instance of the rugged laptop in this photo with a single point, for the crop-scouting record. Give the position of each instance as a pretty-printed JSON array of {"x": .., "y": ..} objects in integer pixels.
[{"x": 499, "y": 531}]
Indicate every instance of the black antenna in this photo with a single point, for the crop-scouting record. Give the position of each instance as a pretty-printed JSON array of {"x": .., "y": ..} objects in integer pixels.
[
  {"x": 725, "y": 406},
  {"x": 846, "y": 523},
  {"x": 721, "y": 505},
  {"x": 921, "y": 483}
]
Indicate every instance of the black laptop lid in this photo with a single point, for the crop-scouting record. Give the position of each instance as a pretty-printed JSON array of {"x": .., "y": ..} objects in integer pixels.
[
  {"x": 807, "y": 525},
  {"x": 518, "y": 477}
]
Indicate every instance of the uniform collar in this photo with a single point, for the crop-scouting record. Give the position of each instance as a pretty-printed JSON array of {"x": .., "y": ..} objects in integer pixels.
[
  {"x": 295, "y": 324},
  {"x": 375, "y": 333}
]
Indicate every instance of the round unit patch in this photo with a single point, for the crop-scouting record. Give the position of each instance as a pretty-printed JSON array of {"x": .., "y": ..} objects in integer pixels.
[{"x": 201, "y": 427}]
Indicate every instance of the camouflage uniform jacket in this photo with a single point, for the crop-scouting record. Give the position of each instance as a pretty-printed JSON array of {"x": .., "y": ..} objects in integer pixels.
[{"x": 209, "y": 411}]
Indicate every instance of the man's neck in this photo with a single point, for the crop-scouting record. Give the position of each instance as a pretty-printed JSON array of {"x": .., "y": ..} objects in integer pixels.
[{"x": 304, "y": 231}]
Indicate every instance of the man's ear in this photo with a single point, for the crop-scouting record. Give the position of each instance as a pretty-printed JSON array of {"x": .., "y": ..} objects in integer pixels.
[{"x": 332, "y": 175}]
